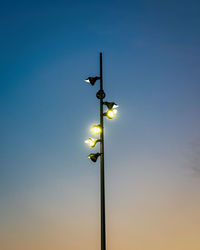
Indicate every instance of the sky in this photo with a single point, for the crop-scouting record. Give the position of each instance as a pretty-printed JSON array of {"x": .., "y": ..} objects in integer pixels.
[{"x": 49, "y": 189}]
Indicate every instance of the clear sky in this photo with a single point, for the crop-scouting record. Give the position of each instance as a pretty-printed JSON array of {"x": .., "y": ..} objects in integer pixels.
[{"x": 49, "y": 190}]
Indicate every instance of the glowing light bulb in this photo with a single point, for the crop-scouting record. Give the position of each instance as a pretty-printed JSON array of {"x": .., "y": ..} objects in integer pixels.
[
  {"x": 110, "y": 113},
  {"x": 91, "y": 142},
  {"x": 96, "y": 129}
]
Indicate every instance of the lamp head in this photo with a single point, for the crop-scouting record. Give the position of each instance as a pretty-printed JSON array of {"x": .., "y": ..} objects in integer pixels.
[
  {"x": 96, "y": 129},
  {"x": 110, "y": 113},
  {"x": 111, "y": 105},
  {"x": 92, "y": 142},
  {"x": 92, "y": 80},
  {"x": 94, "y": 157}
]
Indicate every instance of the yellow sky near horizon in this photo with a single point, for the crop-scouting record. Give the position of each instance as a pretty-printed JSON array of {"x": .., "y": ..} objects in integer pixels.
[{"x": 148, "y": 219}]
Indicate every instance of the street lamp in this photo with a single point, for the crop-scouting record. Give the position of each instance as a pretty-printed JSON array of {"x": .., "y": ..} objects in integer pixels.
[
  {"x": 110, "y": 105},
  {"x": 92, "y": 142},
  {"x": 99, "y": 129},
  {"x": 92, "y": 80},
  {"x": 94, "y": 157},
  {"x": 96, "y": 129},
  {"x": 110, "y": 113}
]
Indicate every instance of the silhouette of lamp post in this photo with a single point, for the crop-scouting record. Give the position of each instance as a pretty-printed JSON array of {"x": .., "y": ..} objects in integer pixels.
[{"x": 99, "y": 129}]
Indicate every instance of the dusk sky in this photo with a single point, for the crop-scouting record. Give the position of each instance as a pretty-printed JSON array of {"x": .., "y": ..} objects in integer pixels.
[{"x": 49, "y": 189}]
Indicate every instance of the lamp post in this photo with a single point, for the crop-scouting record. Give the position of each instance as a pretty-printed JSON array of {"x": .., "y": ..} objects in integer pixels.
[
  {"x": 103, "y": 221},
  {"x": 99, "y": 129}
]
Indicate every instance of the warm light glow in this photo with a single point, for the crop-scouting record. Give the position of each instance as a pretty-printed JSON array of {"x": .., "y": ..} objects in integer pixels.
[
  {"x": 96, "y": 129},
  {"x": 110, "y": 114},
  {"x": 91, "y": 142}
]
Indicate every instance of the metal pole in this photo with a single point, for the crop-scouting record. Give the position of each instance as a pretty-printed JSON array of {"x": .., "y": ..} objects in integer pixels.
[{"x": 103, "y": 223}]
